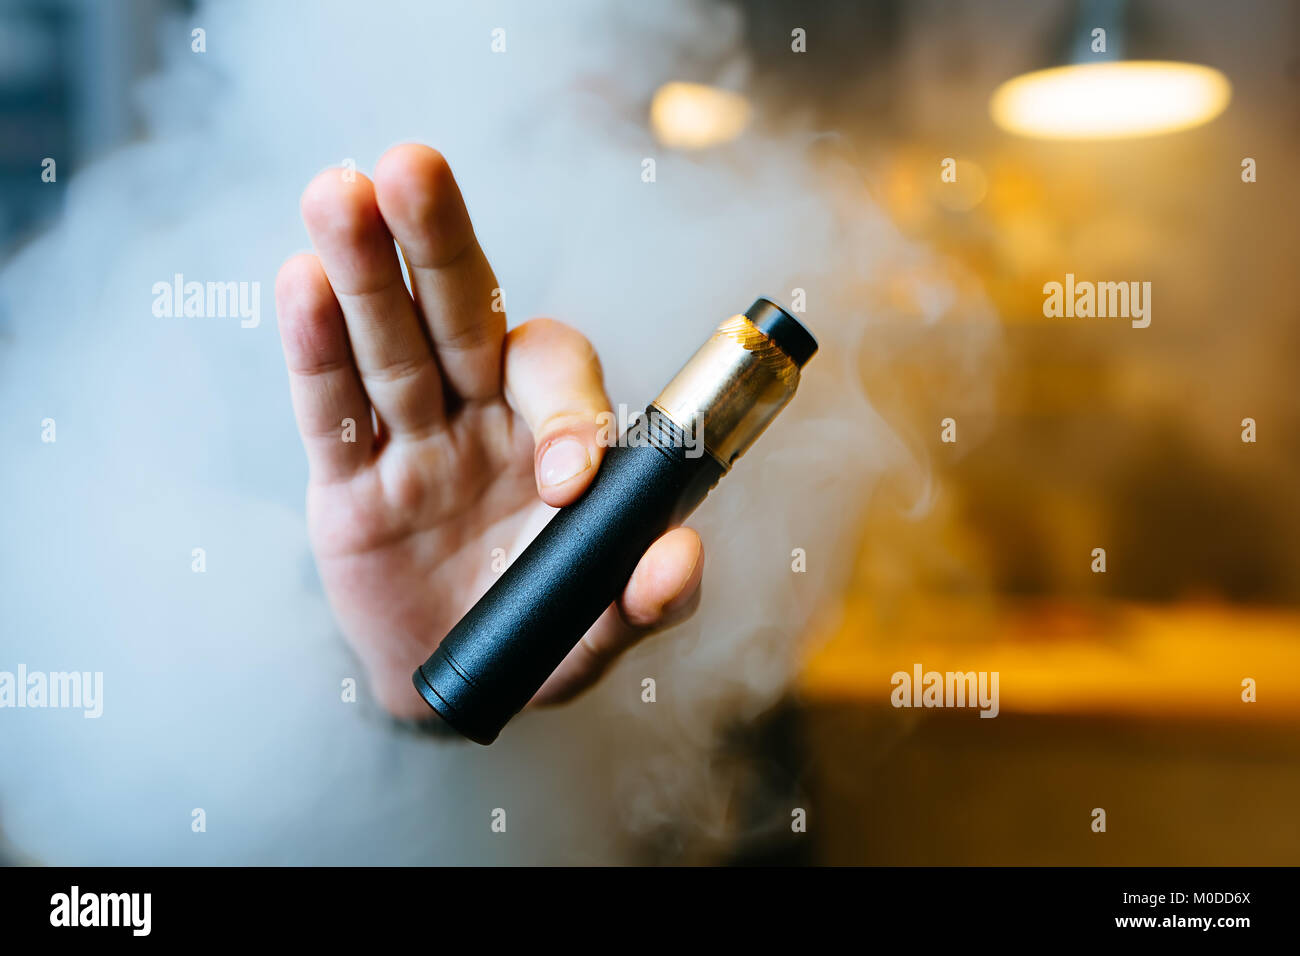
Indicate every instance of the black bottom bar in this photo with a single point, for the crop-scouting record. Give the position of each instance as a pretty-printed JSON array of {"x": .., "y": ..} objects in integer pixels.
[{"x": 975, "y": 907}]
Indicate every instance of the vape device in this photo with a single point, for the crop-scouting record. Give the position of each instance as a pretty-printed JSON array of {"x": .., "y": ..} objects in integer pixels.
[{"x": 493, "y": 661}]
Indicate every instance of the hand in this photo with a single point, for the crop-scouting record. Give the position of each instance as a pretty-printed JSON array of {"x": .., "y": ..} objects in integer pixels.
[{"x": 403, "y": 519}]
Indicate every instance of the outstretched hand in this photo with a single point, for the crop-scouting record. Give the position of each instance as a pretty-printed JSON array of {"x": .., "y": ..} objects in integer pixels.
[{"x": 478, "y": 429}]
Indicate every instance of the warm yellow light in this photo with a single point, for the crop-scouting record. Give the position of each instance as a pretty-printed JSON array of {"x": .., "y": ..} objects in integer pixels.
[
  {"x": 695, "y": 116},
  {"x": 1110, "y": 100}
]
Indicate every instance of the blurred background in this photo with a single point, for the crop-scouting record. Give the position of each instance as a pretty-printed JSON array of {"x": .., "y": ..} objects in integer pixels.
[{"x": 811, "y": 135}]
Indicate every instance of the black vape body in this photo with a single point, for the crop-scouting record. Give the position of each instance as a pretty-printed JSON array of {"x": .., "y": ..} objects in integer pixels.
[{"x": 493, "y": 661}]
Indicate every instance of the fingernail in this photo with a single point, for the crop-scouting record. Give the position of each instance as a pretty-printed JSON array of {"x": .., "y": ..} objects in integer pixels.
[{"x": 565, "y": 459}]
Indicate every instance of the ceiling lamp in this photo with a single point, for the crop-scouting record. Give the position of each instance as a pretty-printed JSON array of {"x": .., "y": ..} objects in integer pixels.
[{"x": 1099, "y": 91}]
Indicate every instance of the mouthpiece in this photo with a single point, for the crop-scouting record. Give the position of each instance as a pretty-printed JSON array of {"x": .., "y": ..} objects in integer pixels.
[{"x": 494, "y": 660}]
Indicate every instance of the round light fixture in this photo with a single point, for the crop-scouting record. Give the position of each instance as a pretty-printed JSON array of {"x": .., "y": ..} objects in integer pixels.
[
  {"x": 1110, "y": 100},
  {"x": 696, "y": 116}
]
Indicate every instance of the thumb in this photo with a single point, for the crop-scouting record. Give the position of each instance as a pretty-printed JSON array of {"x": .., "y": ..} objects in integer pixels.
[{"x": 553, "y": 379}]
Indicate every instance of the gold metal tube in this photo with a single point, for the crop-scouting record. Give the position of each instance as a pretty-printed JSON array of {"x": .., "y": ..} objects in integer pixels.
[{"x": 731, "y": 388}]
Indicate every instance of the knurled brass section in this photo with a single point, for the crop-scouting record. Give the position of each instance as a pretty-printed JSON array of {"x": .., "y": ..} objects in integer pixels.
[{"x": 735, "y": 384}]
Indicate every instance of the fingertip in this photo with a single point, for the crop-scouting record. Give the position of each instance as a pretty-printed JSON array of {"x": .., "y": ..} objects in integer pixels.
[
  {"x": 688, "y": 556},
  {"x": 666, "y": 579},
  {"x": 547, "y": 335},
  {"x": 565, "y": 464},
  {"x": 339, "y": 204},
  {"x": 307, "y": 313},
  {"x": 419, "y": 199},
  {"x": 297, "y": 278},
  {"x": 412, "y": 166}
]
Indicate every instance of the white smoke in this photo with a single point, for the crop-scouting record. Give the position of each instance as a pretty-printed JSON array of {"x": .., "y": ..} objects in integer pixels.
[{"x": 222, "y": 689}]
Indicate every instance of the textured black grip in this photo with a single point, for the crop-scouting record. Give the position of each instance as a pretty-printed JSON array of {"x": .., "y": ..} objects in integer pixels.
[{"x": 493, "y": 661}]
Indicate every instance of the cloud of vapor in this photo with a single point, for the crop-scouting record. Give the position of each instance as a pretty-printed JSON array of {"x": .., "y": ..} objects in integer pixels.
[{"x": 222, "y": 689}]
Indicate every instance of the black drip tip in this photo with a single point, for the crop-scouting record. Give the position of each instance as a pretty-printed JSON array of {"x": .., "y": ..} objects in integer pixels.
[{"x": 784, "y": 329}]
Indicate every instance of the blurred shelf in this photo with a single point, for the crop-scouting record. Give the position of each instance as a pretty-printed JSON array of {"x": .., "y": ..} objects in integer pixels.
[{"x": 1180, "y": 660}]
